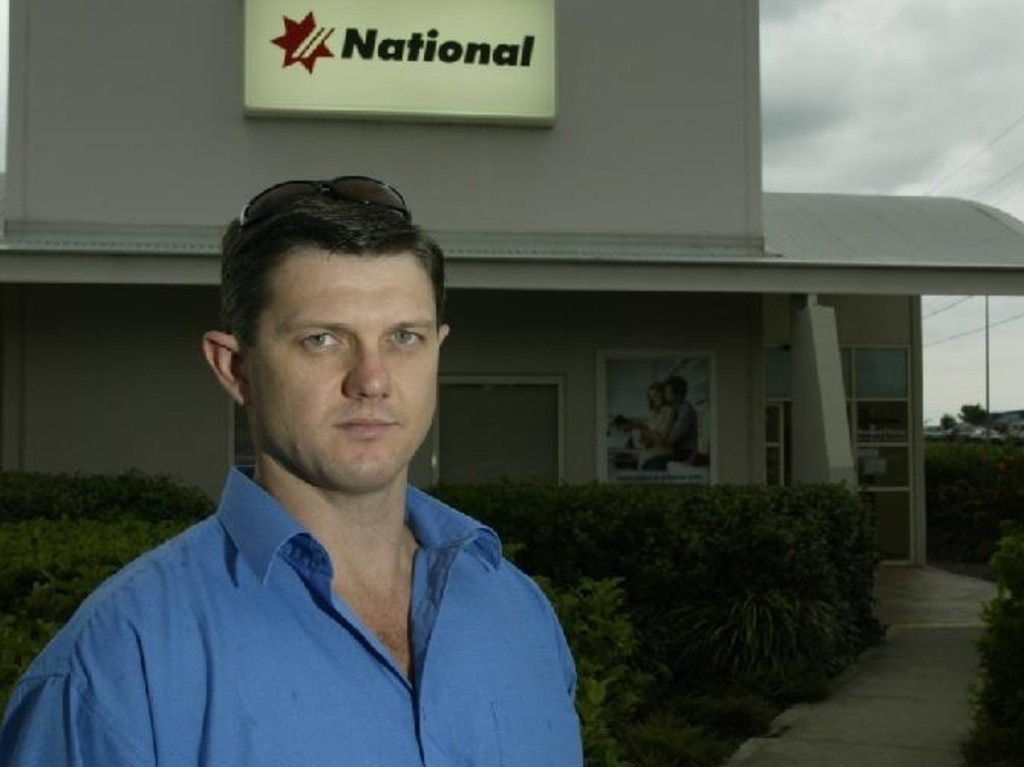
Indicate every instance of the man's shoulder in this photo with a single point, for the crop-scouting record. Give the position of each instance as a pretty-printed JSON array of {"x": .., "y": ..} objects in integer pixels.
[{"x": 158, "y": 582}]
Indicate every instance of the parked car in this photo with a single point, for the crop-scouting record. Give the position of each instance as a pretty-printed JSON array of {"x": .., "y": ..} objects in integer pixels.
[
  {"x": 981, "y": 434},
  {"x": 937, "y": 433}
]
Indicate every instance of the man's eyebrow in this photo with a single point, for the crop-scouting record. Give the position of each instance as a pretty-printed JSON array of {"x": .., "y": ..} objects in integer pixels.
[{"x": 303, "y": 323}]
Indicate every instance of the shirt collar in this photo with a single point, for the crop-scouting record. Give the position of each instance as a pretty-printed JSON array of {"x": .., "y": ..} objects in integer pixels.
[
  {"x": 259, "y": 526},
  {"x": 437, "y": 526}
]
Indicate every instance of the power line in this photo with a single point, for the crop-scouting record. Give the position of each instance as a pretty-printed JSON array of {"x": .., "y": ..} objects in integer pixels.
[
  {"x": 976, "y": 330},
  {"x": 999, "y": 180},
  {"x": 1014, "y": 191},
  {"x": 956, "y": 171},
  {"x": 947, "y": 308}
]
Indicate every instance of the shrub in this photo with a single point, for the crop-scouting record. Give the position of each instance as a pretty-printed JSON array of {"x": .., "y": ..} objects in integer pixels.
[
  {"x": 733, "y": 712},
  {"x": 611, "y": 686},
  {"x": 998, "y": 699},
  {"x": 971, "y": 489},
  {"x": 663, "y": 740},
  {"x": 756, "y": 634},
  {"x": 802, "y": 558},
  {"x": 33, "y": 495},
  {"x": 48, "y": 566},
  {"x": 62, "y": 534},
  {"x": 691, "y": 611}
]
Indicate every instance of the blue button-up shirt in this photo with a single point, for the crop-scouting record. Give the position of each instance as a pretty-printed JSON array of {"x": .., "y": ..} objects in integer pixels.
[{"x": 226, "y": 646}]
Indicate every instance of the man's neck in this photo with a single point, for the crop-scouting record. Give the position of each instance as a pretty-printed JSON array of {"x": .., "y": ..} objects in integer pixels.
[
  {"x": 364, "y": 533},
  {"x": 371, "y": 550}
]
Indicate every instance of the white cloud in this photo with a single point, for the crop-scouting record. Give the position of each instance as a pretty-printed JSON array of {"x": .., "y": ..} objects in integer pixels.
[{"x": 908, "y": 97}]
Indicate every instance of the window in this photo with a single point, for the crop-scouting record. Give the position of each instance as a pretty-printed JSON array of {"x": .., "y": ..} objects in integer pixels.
[
  {"x": 879, "y": 410},
  {"x": 778, "y": 458},
  {"x": 876, "y": 382},
  {"x": 778, "y": 427},
  {"x": 490, "y": 429}
]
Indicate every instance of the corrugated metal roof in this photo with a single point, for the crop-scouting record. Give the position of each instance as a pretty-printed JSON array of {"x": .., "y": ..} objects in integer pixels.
[
  {"x": 799, "y": 229},
  {"x": 812, "y": 243},
  {"x": 839, "y": 229}
]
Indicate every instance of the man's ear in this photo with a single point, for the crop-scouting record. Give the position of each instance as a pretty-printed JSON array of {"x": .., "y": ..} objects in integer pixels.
[
  {"x": 223, "y": 354},
  {"x": 442, "y": 333}
]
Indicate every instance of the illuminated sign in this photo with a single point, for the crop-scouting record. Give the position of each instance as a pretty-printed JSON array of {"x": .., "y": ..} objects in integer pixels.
[{"x": 443, "y": 60}]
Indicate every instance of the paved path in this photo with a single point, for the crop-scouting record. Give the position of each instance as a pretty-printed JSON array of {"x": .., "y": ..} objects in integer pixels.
[{"x": 904, "y": 703}]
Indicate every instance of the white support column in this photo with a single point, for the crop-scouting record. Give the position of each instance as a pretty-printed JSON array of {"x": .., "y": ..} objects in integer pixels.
[{"x": 821, "y": 431}]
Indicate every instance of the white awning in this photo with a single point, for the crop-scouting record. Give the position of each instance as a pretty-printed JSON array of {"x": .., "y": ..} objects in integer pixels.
[{"x": 813, "y": 243}]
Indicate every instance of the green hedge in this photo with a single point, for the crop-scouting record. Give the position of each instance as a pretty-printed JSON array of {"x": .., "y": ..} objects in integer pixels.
[
  {"x": 998, "y": 736},
  {"x": 48, "y": 566},
  {"x": 729, "y": 582},
  {"x": 61, "y": 535},
  {"x": 693, "y": 613},
  {"x": 971, "y": 489},
  {"x": 32, "y": 495}
]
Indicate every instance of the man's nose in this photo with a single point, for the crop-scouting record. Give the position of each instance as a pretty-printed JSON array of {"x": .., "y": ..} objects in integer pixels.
[{"x": 368, "y": 377}]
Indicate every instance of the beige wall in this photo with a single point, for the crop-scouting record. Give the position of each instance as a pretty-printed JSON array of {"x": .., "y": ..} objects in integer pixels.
[
  {"x": 560, "y": 334},
  {"x": 873, "y": 320},
  {"x": 861, "y": 320},
  {"x": 658, "y": 128},
  {"x": 111, "y": 378},
  {"x": 107, "y": 378}
]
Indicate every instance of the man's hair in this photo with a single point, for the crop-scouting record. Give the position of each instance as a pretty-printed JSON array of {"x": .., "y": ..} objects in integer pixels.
[
  {"x": 678, "y": 385},
  {"x": 251, "y": 253}
]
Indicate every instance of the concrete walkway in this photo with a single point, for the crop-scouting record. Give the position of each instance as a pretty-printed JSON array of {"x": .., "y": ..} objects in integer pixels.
[{"x": 904, "y": 703}]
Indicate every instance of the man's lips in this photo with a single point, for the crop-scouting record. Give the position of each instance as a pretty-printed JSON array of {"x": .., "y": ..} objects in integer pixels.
[{"x": 367, "y": 427}]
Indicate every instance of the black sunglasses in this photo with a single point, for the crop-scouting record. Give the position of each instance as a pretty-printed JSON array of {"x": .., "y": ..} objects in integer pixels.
[{"x": 361, "y": 189}]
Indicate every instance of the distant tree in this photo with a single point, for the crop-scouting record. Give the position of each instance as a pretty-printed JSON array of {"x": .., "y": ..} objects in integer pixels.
[
  {"x": 975, "y": 415},
  {"x": 947, "y": 421}
]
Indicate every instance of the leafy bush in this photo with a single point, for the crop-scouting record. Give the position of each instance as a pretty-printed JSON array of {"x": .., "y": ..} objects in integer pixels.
[
  {"x": 731, "y": 711},
  {"x": 33, "y": 495},
  {"x": 611, "y": 686},
  {"x": 971, "y": 489},
  {"x": 693, "y": 612},
  {"x": 48, "y": 566},
  {"x": 998, "y": 700},
  {"x": 756, "y": 634},
  {"x": 62, "y": 534},
  {"x": 780, "y": 581},
  {"x": 802, "y": 558},
  {"x": 664, "y": 740}
]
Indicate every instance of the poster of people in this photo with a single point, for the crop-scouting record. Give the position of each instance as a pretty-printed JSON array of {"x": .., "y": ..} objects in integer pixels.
[{"x": 657, "y": 417}]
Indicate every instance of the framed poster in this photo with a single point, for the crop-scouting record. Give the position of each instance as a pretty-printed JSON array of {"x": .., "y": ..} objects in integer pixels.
[{"x": 655, "y": 416}]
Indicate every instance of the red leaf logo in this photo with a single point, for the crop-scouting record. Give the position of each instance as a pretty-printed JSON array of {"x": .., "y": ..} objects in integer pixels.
[{"x": 304, "y": 42}]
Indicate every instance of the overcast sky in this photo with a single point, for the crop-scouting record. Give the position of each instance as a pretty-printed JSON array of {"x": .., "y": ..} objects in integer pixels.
[{"x": 919, "y": 97}]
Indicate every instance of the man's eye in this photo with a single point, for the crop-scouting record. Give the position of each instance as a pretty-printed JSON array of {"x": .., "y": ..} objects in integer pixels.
[
  {"x": 407, "y": 337},
  {"x": 320, "y": 341}
]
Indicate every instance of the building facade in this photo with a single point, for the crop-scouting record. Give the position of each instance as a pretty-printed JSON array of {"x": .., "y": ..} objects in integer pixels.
[{"x": 622, "y": 241}]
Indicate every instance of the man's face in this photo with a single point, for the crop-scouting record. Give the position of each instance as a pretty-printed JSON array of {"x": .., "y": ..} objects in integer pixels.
[{"x": 341, "y": 382}]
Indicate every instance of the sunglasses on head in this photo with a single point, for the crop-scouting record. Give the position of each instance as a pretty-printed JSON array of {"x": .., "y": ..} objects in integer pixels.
[{"x": 359, "y": 189}]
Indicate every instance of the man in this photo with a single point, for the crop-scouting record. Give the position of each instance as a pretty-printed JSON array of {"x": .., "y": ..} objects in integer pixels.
[
  {"x": 683, "y": 434},
  {"x": 328, "y": 614}
]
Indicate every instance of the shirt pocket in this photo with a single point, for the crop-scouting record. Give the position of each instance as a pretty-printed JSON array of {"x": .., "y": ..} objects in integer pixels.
[{"x": 537, "y": 735}]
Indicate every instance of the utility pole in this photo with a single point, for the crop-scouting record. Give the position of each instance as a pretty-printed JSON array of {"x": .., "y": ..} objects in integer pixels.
[{"x": 988, "y": 409}]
